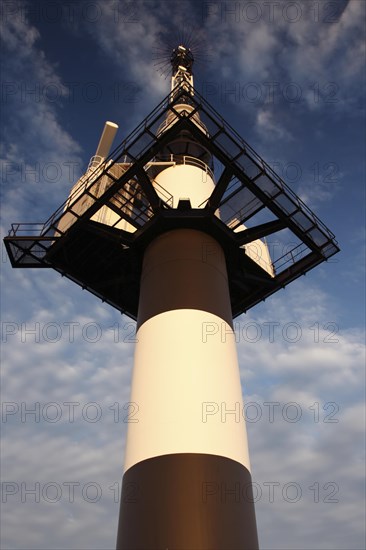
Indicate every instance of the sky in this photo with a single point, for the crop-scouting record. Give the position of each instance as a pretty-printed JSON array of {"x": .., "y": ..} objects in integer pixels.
[{"x": 288, "y": 76}]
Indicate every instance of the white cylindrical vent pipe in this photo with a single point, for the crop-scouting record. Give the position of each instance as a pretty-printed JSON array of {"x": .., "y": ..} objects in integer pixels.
[{"x": 106, "y": 139}]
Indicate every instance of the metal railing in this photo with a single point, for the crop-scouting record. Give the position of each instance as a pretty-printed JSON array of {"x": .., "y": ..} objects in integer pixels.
[
  {"x": 291, "y": 257},
  {"x": 136, "y": 144},
  {"x": 85, "y": 182},
  {"x": 28, "y": 229},
  {"x": 263, "y": 166},
  {"x": 181, "y": 159}
]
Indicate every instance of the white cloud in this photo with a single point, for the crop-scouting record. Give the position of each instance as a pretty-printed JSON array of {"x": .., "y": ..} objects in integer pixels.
[
  {"x": 321, "y": 50},
  {"x": 304, "y": 402},
  {"x": 269, "y": 128},
  {"x": 130, "y": 40},
  {"x": 39, "y": 159}
]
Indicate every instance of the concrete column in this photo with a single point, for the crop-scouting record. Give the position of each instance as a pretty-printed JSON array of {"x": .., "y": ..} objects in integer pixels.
[{"x": 187, "y": 481}]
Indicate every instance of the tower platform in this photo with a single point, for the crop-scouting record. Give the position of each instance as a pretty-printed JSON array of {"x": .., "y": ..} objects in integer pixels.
[{"x": 249, "y": 203}]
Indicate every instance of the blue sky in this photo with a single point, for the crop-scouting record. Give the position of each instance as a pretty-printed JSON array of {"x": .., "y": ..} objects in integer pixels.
[{"x": 288, "y": 76}]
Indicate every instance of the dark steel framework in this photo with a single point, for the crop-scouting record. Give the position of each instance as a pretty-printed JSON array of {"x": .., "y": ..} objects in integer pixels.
[{"x": 107, "y": 260}]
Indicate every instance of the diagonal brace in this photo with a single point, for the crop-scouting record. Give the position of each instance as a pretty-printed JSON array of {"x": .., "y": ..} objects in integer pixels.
[{"x": 260, "y": 231}]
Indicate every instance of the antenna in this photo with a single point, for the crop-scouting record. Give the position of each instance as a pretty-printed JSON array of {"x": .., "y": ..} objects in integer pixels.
[
  {"x": 182, "y": 60},
  {"x": 191, "y": 39},
  {"x": 182, "y": 75}
]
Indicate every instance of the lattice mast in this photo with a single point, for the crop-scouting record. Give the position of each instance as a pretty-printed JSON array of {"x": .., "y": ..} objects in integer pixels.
[{"x": 182, "y": 73}]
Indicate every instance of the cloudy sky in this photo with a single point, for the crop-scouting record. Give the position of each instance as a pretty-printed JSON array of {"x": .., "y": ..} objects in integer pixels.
[{"x": 288, "y": 76}]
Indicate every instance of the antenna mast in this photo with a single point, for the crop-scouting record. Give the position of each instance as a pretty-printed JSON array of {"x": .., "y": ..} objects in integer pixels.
[{"x": 182, "y": 76}]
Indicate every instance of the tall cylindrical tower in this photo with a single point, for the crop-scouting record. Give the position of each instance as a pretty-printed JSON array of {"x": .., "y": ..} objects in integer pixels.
[
  {"x": 187, "y": 481},
  {"x": 148, "y": 230}
]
